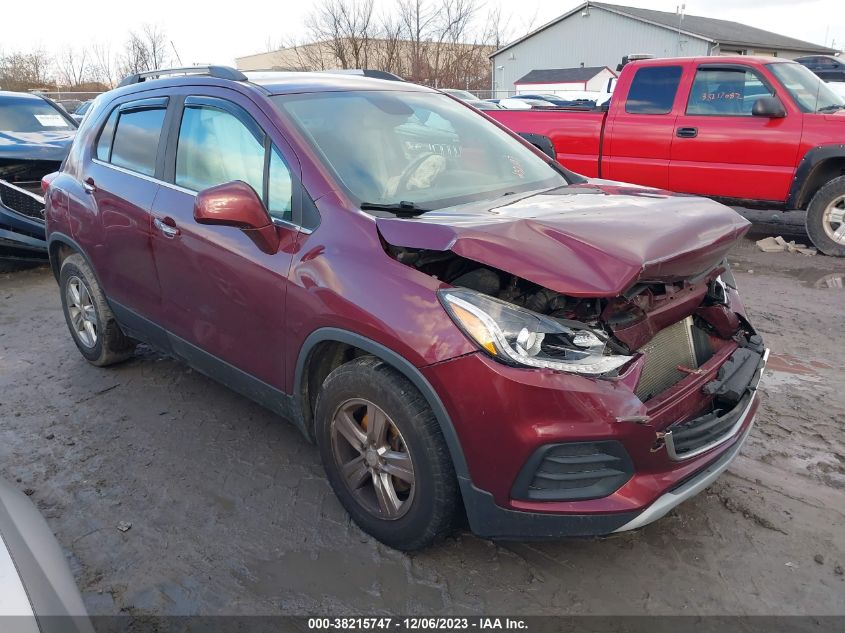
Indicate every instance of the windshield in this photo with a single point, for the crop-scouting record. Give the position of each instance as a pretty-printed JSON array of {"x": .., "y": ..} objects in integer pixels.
[
  {"x": 388, "y": 147},
  {"x": 31, "y": 115},
  {"x": 810, "y": 93}
]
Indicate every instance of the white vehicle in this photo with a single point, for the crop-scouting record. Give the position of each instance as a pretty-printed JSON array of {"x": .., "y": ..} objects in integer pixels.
[
  {"x": 37, "y": 590},
  {"x": 838, "y": 87}
]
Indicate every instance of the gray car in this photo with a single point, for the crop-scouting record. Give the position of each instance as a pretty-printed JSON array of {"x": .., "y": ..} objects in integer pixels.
[{"x": 37, "y": 590}]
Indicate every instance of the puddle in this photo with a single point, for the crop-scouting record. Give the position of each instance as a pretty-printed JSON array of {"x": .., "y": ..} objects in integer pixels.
[
  {"x": 833, "y": 280},
  {"x": 786, "y": 369},
  {"x": 815, "y": 279}
]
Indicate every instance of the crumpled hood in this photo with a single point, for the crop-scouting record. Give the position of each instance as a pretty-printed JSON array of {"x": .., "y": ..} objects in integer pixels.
[
  {"x": 591, "y": 240},
  {"x": 52, "y": 146}
]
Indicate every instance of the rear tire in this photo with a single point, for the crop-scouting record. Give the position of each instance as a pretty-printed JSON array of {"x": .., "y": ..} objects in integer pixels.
[
  {"x": 381, "y": 403},
  {"x": 90, "y": 320},
  {"x": 826, "y": 218}
]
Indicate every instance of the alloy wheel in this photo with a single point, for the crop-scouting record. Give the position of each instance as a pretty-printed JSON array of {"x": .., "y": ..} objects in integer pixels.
[
  {"x": 373, "y": 459},
  {"x": 83, "y": 315},
  {"x": 833, "y": 220}
]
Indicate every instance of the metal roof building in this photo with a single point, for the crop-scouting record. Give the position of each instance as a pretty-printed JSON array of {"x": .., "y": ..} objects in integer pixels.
[{"x": 599, "y": 34}]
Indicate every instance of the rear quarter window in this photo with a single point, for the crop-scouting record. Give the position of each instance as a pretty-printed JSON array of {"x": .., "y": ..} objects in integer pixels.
[{"x": 653, "y": 90}]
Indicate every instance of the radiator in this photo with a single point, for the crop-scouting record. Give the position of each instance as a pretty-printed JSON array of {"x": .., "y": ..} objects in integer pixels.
[{"x": 670, "y": 347}]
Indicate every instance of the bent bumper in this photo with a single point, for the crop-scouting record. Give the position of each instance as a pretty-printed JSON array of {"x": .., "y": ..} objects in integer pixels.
[
  {"x": 689, "y": 488},
  {"x": 520, "y": 411},
  {"x": 489, "y": 520}
]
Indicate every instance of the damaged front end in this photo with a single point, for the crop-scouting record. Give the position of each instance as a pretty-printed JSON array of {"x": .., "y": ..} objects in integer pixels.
[
  {"x": 22, "y": 229},
  {"x": 683, "y": 347}
]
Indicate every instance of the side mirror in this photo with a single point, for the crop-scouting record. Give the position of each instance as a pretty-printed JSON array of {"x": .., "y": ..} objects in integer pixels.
[
  {"x": 770, "y": 107},
  {"x": 236, "y": 204}
]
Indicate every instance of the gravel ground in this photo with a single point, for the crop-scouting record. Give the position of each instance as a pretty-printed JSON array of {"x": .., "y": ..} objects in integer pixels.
[{"x": 230, "y": 512}]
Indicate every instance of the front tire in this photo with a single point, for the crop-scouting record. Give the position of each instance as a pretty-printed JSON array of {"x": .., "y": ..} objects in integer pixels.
[
  {"x": 385, "y": 456},
  {"x": 89, "y": 318},
  {"x": 826, "y": 218}
]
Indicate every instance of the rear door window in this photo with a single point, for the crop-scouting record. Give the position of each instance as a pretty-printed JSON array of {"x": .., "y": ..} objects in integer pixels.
[
  {"x": 106, "y": 137},
  {"x": 725, "y": 92},
  {"x": 136, "y": 139},
  {"x": 653, "y": 90}
]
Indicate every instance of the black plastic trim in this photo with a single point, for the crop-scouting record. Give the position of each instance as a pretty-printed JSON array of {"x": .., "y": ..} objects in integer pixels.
[
  {"x": 236, "y": 379},
  {"x": 218, "y": 103},
  {"x": 543, "y": 143},
  {"x": 489, "y": 520},
  {"x": 140, "y": 328},
  {"x": 400, "y": 364},
  {"x": 67, "y": 240},
  {"x": 799, "y": 198},
  {"x": 619, "y": 470}
]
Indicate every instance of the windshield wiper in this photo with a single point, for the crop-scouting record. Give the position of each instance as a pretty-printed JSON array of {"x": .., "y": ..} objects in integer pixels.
[
  {"x": 831, "y": 108},
  {"x": 403, "y": 209}
]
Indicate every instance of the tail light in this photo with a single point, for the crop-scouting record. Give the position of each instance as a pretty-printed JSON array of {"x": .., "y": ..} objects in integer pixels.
[{"x": 47, "y": 180}]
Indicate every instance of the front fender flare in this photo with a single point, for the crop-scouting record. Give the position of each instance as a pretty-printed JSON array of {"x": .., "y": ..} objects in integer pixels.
[{"x": 400, "y": 364}]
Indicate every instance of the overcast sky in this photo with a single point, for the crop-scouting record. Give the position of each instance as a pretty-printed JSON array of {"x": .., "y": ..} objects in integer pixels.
[{"x": 217, "y": 32}]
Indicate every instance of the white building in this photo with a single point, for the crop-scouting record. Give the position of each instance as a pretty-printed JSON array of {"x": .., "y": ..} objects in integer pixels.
[
  {"x": 555, "y": 80},
  {"x": 596, "y": 34}
]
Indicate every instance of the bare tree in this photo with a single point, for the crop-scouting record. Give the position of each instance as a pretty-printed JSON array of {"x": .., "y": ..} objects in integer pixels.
[
  {"x": 346, "y": 27},
  {"x": 144, "y": 50},
  {"x": 72, "y": 66},
  {"x": 418, "y": 20},
  {"x": 104, "y": 65},
  {"x": 434, "y": 42},
  {"x": 25, "y": 71}
]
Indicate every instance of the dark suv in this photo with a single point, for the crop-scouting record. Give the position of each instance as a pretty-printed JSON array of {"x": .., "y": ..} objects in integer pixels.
[
  {"x": 457, "y": 321},
  {"x": 827, "y": 67}
]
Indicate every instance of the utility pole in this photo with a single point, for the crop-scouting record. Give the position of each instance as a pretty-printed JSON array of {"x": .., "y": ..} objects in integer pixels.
[{"x": 680, "y": 11}]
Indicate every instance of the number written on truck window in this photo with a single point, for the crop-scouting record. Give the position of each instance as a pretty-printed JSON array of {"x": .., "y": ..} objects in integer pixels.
[
  {"x": 653, "y": 90},
  {"x": 725, "y": 92}
]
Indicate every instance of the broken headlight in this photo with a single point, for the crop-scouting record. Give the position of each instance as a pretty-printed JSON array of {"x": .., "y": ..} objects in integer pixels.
[{"x": 520, "y": 337}]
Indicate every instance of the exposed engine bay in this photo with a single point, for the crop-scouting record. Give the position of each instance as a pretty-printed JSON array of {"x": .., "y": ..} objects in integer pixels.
[{"x": 676, "y": 325}]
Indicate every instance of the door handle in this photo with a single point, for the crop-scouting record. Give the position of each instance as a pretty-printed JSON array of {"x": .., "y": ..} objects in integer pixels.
[
  {"x": 167, "y": 227},
  {"x": 88, "y": 185},
  {"x": 687, "y": 132}
]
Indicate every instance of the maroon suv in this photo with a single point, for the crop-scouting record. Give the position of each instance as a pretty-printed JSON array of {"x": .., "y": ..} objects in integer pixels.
[{"x": 457, "y": 321}]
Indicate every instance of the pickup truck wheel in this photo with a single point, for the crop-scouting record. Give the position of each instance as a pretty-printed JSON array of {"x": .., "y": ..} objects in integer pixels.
[
  {"x": 385, "y": 456},
  {"x": 89, "y": 318},
  {"x": 826, "y": 218}
]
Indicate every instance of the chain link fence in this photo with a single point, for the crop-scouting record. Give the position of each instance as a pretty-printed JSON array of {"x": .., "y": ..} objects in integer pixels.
[{"x": 70, "y": 100}]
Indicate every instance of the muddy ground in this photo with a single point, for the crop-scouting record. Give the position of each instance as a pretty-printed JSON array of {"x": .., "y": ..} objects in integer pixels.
[{"x": 230, "y": 512}]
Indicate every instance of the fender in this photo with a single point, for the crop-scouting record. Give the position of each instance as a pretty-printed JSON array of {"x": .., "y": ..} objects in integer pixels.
[
  {"x": 401, "y": 365},
  {"x": 798, "y": 195},
  {"x": 67, "y": 240},
  {"x": 543, "y": 143}
]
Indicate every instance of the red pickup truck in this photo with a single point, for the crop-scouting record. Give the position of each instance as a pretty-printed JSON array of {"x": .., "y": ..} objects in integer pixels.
[{"x": 749, "y": 131}]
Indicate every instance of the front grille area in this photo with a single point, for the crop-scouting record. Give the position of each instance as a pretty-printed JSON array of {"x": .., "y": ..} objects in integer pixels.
[
  {"x": 673, "y": 346},
  {"x": 575, "y": 471},
  {"x": 21, "y": 201},
  {"x": 704, "y": 430}
]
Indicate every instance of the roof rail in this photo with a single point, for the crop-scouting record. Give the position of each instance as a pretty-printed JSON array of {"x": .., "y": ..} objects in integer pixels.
[
  {"x": 220, "y": 72},
  {"x": 363, "y": 72}
]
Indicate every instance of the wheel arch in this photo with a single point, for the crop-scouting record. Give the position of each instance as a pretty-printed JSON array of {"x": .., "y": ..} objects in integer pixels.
[
  {"x": 328, "y": 348},
  {"x": 59, "y": 247},
  {"x": 819, "y": 166},
  {"x": 541, "y": 142}
]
